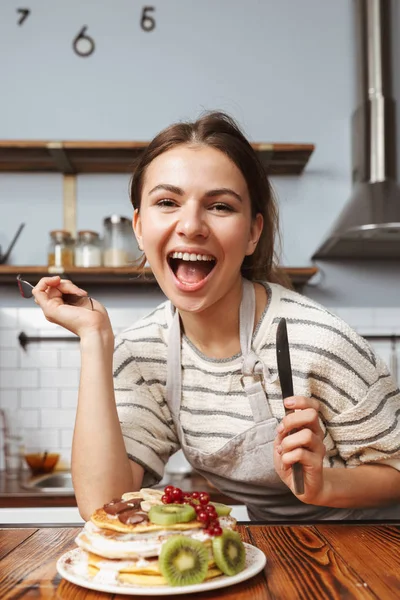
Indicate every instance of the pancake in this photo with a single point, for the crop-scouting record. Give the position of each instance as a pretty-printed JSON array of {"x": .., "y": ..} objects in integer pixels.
[
  {"x": 146, "y": 580},
  {"x": 121, "y": 543},
  {"x": 112, "y": 544},
  {"x": 105, "y": 521}
]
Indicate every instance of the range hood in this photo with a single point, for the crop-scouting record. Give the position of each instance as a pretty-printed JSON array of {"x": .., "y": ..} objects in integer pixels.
[{"x": 369, "y": 225}]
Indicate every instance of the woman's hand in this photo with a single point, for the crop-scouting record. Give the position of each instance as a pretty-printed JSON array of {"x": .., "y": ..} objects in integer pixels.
[
  {"x": 300, "y": 439},
  {"x": 78, "y": 318}
]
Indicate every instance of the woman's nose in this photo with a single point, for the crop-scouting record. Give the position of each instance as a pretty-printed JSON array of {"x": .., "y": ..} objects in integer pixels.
[{"x": 192, "y": 222}]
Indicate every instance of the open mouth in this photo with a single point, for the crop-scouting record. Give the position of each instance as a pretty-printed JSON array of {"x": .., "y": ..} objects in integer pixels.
[{"x": 191, "y": 268}]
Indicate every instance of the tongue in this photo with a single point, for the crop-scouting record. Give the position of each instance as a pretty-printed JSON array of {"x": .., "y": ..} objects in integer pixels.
[{"x": 192, "y": 271}]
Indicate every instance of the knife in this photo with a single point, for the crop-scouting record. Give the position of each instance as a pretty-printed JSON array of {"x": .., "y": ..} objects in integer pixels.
[{"x": 285, "y": 378}]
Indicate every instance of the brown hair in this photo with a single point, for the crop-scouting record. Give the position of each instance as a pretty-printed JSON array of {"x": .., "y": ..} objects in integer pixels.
[{"x": 220, "y": 131}]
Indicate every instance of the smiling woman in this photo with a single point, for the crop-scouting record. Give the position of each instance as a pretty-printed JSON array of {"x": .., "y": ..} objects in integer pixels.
[
  {"x": 195, "y": 201},
  {"x": 199, "y": 373}
]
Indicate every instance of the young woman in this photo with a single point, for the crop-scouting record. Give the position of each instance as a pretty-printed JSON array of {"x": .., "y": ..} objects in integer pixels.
[{"x": 200, "y": 373}]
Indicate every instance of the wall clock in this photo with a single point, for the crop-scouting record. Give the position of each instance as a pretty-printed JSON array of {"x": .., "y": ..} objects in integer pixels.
[{"x": 83, "y": 43}]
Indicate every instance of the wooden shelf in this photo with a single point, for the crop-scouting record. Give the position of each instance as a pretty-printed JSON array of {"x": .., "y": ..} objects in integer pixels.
[
  {"x": 72, "y": 157},
  {"x": 299, "y": 276}
]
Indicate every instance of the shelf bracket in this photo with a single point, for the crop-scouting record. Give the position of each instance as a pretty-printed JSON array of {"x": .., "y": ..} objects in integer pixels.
[
  {"x": 69, "y": 203},
  {"x": 58, "y": 154}
]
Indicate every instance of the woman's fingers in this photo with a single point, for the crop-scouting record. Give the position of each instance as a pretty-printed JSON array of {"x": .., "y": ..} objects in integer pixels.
[
  {"x": 308, "y": 417},
  {"x": 67, "y": 287},
  {"x": 304, "y": 456},
  {"x": 54, "y": 287},
  {"x": 305, "y": 438}
]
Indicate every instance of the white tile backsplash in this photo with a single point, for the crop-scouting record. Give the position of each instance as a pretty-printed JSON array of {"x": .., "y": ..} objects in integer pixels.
[
  {"x": 32, "y": 356},
  {"x": 40, "y": 398},
  {"x": 19, "y": 378},
  {"x": 60, "y": 418},
  {"x": 40, "y": 384},
  {"x": 8, "y": 337},
  {"x": 59, "y": 378},
  {"x": 70, "y": 358},
  {"x": 8, "y": 318},
  {"x": 8, "y": 358}
]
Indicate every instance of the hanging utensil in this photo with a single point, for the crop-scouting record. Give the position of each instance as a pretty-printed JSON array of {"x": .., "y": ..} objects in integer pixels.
[{"x": 4, "y": 257}]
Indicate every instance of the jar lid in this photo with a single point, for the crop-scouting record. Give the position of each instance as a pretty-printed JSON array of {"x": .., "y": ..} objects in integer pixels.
[
  {"x": 62, "y": 234},
  {"x": 87, "y": 233},
  {"x": 116, "y": 219}
]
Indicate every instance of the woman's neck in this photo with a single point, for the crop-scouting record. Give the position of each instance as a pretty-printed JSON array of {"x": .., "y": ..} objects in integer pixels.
[{"x": 215, "y": 331}]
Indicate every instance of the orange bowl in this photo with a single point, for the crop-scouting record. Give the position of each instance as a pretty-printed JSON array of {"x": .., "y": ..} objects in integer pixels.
[{"x": 41, "y": 462}]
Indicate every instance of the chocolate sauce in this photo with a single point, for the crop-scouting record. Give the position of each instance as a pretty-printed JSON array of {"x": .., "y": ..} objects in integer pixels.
[
  {"x": 118, "y": 506},
  {"x": 133, "y": 517}
]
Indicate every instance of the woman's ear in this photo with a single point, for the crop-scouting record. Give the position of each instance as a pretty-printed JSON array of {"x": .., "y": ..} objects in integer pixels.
[
  {"x": 255, "y": 232},
  {"x": 137, "y": 227}
]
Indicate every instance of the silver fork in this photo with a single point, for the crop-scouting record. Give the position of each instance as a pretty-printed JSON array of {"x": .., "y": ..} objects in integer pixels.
[{"x": 26, "y": 288}]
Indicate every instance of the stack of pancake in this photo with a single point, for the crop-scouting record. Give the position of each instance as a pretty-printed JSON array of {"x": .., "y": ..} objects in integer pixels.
[{"x": 121, "y": 544}]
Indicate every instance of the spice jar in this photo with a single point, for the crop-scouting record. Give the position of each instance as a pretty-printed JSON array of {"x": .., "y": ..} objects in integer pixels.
[
  {"x": 61, "y": 249},
  {"x": 88, "y": 249},
  {"x": 120, "y": 245}
]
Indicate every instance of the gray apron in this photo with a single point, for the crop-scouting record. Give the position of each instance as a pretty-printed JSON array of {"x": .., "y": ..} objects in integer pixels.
[{"x": 244, "y": 467}]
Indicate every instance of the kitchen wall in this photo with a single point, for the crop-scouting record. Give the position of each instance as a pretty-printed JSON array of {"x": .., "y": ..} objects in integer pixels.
[{"x": 284, "y": 69}]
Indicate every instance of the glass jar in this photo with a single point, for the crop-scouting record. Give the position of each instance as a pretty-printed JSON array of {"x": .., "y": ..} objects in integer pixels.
[
  {"x": 61, "y": 249},
  {"x": 88, "y": 249},
  {"x": 120, "y": 247}
]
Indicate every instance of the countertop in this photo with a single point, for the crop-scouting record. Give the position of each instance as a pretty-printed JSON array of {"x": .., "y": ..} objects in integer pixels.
[
  {"x": 13, "y": 494},
  {"x": 307, "y": 562}
]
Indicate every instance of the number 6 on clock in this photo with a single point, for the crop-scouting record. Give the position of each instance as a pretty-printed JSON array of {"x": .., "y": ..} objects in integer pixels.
[{"x": 147, "y": 22}]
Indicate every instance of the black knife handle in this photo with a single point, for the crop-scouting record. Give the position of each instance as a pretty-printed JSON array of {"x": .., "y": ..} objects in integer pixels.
[{"x": 298, "y": 479}]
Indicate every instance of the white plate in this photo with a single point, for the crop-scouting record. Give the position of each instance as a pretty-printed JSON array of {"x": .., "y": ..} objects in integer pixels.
[{"x": 70, "y": 567}]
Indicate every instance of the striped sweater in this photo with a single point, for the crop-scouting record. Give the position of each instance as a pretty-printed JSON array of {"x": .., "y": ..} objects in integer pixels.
[{"x": 359, "y": 401}]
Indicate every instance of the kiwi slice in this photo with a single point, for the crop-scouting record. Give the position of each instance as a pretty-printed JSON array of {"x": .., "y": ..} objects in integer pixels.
[
  {"x": 183, "y": 560},
  {"x": 222, "y": 509},
  {"x": 169, "y": 514},
  {"x": 229, "y": 552}
]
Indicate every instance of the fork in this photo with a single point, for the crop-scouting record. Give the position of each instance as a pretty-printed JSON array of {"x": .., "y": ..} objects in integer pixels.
[{"x": 26, "y": 288}]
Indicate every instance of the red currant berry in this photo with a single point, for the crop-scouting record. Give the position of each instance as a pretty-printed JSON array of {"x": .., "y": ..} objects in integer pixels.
[
  {"x": 217, "y": 530},
  {"x": 169, "y": 489},
  {"x": 166, "y": 499},
  {"x": 195, "y": 495},
  {"x": 210, "y": 509},
  {"x": 208, "y": 531},
  {"x": 202, "y": 516},
  {"x": 177, "y": 494},
  {"x": 204, "y": 498},
  {"x": 198, "y": 508}
]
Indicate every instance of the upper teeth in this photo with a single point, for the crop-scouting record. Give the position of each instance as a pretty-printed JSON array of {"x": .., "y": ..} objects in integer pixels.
[{"x": 191, "y": 256}]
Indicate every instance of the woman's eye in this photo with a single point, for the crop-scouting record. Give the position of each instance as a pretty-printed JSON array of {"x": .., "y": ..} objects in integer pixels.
[
  {"x": 221, "y": 207},
  {"x": 166, "y": 203}
]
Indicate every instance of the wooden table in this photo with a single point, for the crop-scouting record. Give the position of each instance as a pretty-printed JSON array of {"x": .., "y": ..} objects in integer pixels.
[{"x": 307, "y": 562}]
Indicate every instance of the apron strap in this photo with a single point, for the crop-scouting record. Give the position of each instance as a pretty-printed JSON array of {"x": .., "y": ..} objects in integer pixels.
[
  {"x": 253, "y": 370},
  {"x": 174, "y": 368}
]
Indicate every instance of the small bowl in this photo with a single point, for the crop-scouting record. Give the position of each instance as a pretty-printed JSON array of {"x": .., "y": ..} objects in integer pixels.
[{"x": 41, "y": 462}]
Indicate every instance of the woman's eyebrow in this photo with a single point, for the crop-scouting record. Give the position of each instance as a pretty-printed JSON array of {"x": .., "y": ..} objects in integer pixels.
[
  {"x": 167, "y": 187},
  {"x": 210, "y": 194},
  {"x": 221, "y": 192}
]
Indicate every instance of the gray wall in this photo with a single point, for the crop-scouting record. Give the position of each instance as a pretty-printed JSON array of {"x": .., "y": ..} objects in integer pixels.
[{"x": 284, "y": 69}]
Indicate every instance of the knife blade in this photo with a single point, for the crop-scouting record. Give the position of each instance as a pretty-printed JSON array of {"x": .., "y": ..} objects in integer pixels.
[{"x": 286, "y": 381}]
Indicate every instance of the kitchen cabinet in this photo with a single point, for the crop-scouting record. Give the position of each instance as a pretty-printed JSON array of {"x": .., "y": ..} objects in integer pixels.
[{"x": 70, "y": 158}]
